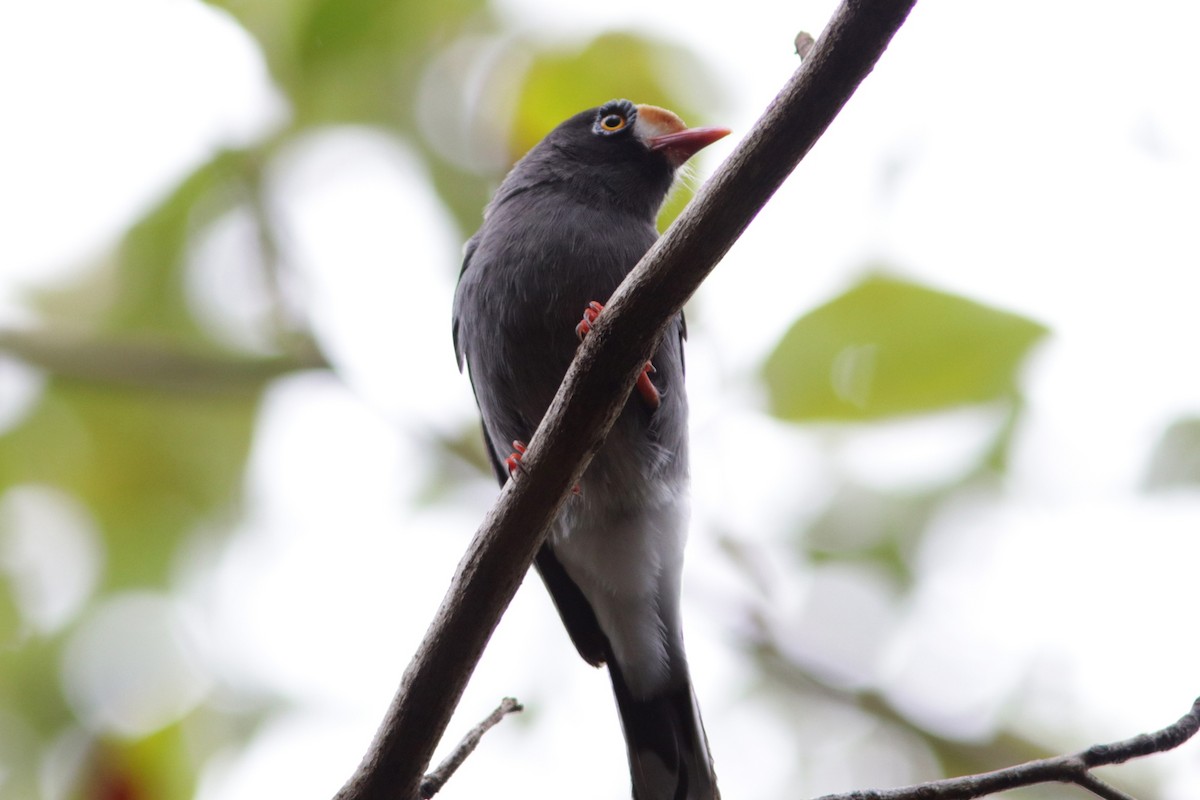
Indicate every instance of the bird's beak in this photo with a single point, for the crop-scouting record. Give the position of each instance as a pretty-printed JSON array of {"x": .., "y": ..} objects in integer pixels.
[
  {"x": 682, "y": 145},
  {"x": 663, "y": 131}
]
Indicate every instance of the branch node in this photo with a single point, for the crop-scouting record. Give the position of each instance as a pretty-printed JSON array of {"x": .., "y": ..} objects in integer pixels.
[
  {"x": 1099, "y": 788},
  {"x": 804, "y": 44}
]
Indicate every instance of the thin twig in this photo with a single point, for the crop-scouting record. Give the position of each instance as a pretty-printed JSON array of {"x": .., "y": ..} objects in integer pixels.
[
  {"x": 432, "y": 783},
  {"x": 1074, "y": 768},
  {"x": 1101, "y": 789}
]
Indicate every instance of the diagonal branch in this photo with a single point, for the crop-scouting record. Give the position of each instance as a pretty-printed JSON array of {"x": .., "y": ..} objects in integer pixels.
[
  {"x": 598, "y": 384},
  {"x": 1074, "y": 769}
]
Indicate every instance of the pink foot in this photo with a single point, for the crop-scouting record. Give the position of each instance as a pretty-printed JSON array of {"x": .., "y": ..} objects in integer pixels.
[
  {"x": 513, "y": 462},
  {"x": 645, "y": 386}
]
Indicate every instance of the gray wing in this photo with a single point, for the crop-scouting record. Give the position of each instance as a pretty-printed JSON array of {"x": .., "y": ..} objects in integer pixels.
[
  {"x": 468, "y": 251},
  {"x": 574, "y": 609}
]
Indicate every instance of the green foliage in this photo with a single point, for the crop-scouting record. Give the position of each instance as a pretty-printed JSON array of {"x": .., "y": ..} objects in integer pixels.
[
  {"x": 29, "y": 691},
  {"x": 864, "y": 525},
  {"x": 150, "y": 295},
  {"x": 888, "y": 347},
  {"x": 151, "y": 466},
  {"x": 157, "y": 766},
  {"x": 359, "y": 61}
]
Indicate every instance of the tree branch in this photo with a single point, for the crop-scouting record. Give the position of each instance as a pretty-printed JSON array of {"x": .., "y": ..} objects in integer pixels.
[
  {"x": 432, "y": 783},
  {"x": 588, "y": 402},
  {"x": 151, "y": 364},
  {"x": 1061, "y": 769}
]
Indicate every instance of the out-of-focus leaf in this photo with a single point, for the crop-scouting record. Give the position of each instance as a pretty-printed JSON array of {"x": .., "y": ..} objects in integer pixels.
[
  {"x": 374, "y": 30},
  {"x": 367, "y": 61},
  {"x": 272, "y": 23},
  {"x": 143, "y": 290},
  {"x": 157, "y": 766},
  {"x": 463, "y": 195},
  {"x": 20, "y": 755},
  {"x": 864, "y": 525},
  {"x": 151, "y": 466},
  {"x": 456, "y": 456},
  {"x": 10, "y": 616},
  {"x": 677, "y": 200},
  {"x": 888, "y": 347},
  {"x": 230, "y": 717},
  {"x": 1175, "y": 461},
  {"x": 156, "y": 458},
  {"x": 361, "y": 60},
  {"x": 29, "y": 686}
]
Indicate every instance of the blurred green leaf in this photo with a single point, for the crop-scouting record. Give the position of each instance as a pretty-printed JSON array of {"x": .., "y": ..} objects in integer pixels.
[
  {"x": 374, "y": 31},
  {"x": 152, "y": 296},
  {"x": 362, "y": 60},
  {"x": 143, "y": 290},
  {"x": 888, "y": 347},
  {"x": 862, "y": 524},
  {"x": 20, "y": 753},
  {"x": 10, "y": 616},
  {"x": 1175, "y": 461},
  {"x": 151, "y": 466},
  {"x": 29, "y": 685},
  {"x": 157, "y": 766},
  {"x": 275, "y": 26},
  {"x": 456, "y": 456},
  {"x": 159, "y": 456},
  {"x": 353, "y": 61}
]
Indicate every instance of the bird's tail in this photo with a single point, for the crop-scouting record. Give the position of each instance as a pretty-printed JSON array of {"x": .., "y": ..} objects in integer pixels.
[{"x": 668, "y": 749}]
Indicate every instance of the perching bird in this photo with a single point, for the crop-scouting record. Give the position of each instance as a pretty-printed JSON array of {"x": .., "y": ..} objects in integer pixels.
[{"x": 570, "y": 220}]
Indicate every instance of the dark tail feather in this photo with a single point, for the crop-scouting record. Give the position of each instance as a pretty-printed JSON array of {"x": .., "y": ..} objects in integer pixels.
[{"x": 668, "y": 750}]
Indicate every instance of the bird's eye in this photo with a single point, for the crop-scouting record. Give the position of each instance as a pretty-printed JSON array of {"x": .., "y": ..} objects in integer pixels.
[{"x": 612, "y": 123}]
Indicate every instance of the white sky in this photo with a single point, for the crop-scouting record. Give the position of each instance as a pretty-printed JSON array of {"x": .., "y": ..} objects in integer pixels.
[{"x": 1046, "y": 158}]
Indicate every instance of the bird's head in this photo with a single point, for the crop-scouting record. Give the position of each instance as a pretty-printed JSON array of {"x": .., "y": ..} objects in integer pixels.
[{"x": 619, "y": 152}]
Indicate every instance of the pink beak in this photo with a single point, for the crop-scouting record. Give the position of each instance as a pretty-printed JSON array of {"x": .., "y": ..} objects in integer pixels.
[{"x": 681, "y": 146}]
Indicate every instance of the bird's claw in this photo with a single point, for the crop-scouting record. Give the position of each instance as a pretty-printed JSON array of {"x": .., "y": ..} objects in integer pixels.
[
  {"x": 589, "y": 317},
  {"x": 513, "y": 462},
  {"x": 645, "y": 386}
]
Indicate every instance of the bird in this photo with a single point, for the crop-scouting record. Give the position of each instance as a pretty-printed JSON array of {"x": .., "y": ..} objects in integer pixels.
[{"x": 563, "y": 229}]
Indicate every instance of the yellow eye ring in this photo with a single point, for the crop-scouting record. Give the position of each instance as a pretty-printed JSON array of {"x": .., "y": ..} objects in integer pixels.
[{"x": 612, "y": 122}]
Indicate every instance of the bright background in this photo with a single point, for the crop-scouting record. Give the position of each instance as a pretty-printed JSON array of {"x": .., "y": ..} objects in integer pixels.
[{"x": 238, "y": 465}]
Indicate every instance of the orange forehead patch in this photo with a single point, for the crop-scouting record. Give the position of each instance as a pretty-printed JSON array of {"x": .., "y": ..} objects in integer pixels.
[{"x": 655, "y": 121}]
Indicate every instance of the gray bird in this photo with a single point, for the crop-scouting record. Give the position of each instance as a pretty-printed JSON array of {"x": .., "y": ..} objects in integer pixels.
[{"x": 570, "y": 220}]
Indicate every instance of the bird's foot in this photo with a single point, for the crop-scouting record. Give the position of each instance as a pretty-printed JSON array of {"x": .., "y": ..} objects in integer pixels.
[
  {"x": 589, "y": 317},
  {"x": 645, "y": 386},
  {"x": 513, "y": 462}
]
